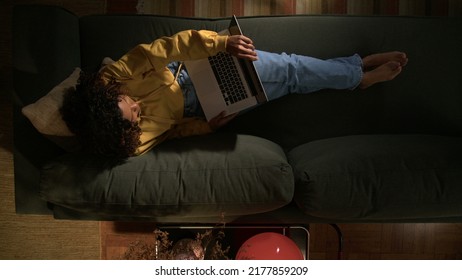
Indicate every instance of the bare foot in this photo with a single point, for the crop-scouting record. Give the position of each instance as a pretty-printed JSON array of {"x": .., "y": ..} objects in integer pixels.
[
  {"x": 379, "y": 59},
  {"x": 383, "y": 73}
]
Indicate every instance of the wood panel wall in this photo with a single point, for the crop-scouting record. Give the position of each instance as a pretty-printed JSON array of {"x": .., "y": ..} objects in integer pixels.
[{"x": 224, "y": 8}]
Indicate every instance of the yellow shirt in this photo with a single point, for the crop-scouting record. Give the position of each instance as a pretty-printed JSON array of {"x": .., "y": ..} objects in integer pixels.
[{"x": 143, "y": 72}]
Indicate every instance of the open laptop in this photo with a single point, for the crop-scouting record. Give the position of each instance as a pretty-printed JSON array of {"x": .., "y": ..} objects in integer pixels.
[{"x": 224, "y": 82}]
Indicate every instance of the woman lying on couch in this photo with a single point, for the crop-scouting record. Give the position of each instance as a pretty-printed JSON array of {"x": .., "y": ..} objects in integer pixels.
[{"x": 146, "y": 97}]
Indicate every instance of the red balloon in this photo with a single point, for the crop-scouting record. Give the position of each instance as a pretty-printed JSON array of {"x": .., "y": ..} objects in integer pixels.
[{"x": 269, "y": 246}]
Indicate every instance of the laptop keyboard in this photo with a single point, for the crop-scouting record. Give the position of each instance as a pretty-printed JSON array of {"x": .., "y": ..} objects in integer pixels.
[{"x": 228, "y": 78}]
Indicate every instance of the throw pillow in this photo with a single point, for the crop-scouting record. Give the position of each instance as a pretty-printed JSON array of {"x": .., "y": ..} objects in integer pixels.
[{"x": 44, "y": 114}]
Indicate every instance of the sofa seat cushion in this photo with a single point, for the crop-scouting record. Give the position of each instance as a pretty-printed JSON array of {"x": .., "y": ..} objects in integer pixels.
[
  {"x": 203, "y": 176},
  {"x": 374, "y": 177}
]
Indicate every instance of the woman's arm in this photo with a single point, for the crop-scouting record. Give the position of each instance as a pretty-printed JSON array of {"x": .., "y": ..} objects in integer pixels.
[{"x": 185, "y": 45}]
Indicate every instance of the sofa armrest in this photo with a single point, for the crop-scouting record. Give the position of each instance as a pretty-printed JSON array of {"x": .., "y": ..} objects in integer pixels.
[{"x": 46, "y": 49}]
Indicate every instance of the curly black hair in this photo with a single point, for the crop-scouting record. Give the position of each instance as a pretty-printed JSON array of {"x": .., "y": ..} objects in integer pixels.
[{"x": 91, "y": 112}]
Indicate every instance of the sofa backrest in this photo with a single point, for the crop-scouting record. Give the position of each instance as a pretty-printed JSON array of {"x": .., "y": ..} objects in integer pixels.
[
  {"x": 425, "y": 98},
  {"x": 46, "y": 49},
  {"x": 50, "y": 42}
]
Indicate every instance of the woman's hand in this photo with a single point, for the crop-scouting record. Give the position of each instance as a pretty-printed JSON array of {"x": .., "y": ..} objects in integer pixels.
[
  {"x": 241, "y": 47},
  {"x": 220, "y": 120}
]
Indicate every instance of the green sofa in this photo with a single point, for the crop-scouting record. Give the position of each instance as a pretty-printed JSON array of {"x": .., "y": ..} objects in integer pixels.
[{"x": 390, "y": 153}]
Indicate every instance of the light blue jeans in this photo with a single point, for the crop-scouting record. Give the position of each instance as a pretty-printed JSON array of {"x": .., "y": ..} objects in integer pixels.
[{"x": 283, "y": 74}]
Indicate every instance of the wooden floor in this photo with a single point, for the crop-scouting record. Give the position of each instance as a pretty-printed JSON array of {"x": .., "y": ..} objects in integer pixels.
[
  {"x": 389, "y": 241},
  {"x": 360, "y": 241}
]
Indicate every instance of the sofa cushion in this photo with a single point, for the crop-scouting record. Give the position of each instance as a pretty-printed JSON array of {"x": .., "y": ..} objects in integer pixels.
[
  {"x": 379, "y": 176},
  {"x": 201, "y": 176}
]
